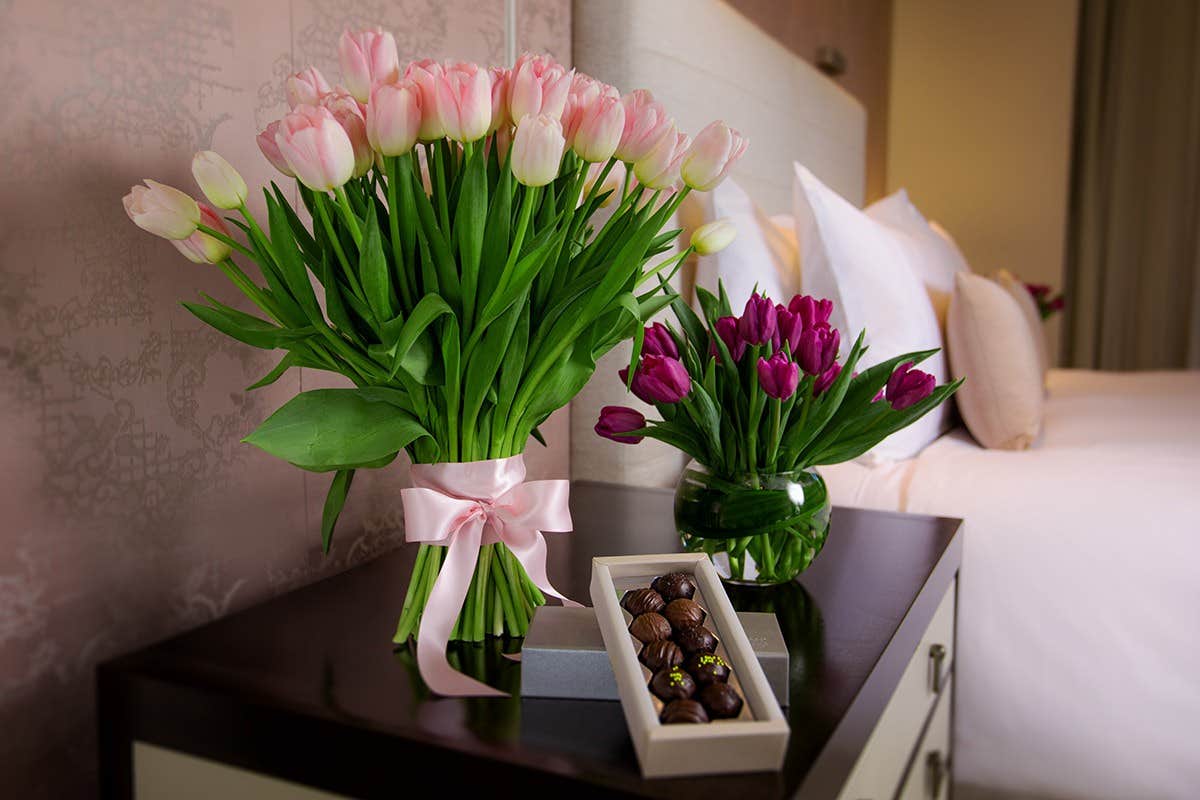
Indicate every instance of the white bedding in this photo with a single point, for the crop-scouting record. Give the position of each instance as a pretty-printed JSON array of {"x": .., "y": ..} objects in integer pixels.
[{"x": 1079, "y": 609}]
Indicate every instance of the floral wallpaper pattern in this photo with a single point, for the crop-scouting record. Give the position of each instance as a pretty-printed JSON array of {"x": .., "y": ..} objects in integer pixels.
[{"x": 130, "y": 509}]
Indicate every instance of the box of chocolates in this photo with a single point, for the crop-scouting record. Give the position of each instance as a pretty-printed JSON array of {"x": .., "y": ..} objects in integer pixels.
[{"x": 695, "y": 697}]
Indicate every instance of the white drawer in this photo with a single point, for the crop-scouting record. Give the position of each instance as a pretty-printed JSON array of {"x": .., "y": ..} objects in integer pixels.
[
  {"x": 929, "y": 774},
  {"x": 880, "y": 767}
]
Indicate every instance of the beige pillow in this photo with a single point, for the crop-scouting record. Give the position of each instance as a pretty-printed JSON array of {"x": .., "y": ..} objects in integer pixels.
[
  {"x": 991, "y": 345},
  {"x": 1033, "y": 317}
]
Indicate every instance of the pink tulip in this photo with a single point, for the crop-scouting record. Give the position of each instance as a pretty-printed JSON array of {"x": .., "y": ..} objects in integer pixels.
[
  {"x": 537, "y": 149},
  {"x": 219, "y": 181},
  {"x": 306, "y": 87},
  {"x": 200, "y": 248},
  {"x": 759, "y": 321},
  {"x": 817, "y": 349},
  {"x": 367, "y": 58},
  {"x": 813, "y": 313},
  {"x": 349, "y": 114},
  {"x": 464, "y": 102},
  {"x": 394, "y": 117},
  {"x": 727, "y": 329},
  {"x": 426, "y": 74},
  {"x": 658, "y": 341},
  {"x": 907, "y": 386},
  {"x": 162, "y": 210},
  {"x": 316, "y": 147},
  {"x": 539, "y": 85},
  {"x": 659, "y": 169},
  {"x": 612, "y": 182},
  {"x": 266, "y": 143},
  {"x": 779, "y": 376},
  {"x": 826, "y": 379},
  {"x": 617, "y": 421},
  {"x": 500, "y": 82},
  {"x": 594, "y": 126},
  {"x": 646, "y": 124},
  {"x": 716, "y": 149}
]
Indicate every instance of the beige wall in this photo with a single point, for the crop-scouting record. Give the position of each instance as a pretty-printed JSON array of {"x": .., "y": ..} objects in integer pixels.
[
  {"x": 130, "y": 509},
  {"x": 980, "y": 126}
]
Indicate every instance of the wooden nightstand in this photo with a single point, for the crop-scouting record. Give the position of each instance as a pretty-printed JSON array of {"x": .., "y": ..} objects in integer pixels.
[{"x": 303, "y": 696}]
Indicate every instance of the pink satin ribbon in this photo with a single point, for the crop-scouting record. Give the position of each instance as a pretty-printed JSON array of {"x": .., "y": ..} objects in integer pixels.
[{"x": 463, "y": 507}]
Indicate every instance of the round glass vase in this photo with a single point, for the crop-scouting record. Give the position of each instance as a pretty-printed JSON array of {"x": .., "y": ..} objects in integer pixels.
[{"x": 759, "y": 529}]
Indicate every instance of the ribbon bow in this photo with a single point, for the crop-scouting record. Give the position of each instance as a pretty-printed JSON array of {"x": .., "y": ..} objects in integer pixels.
[{"x": 463, "y": 507}]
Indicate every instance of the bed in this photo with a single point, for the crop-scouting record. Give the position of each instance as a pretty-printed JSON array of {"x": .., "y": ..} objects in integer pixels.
[{"x": 1079, "y": 636}]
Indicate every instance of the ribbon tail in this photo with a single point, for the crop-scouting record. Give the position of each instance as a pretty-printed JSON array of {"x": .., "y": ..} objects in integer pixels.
[
  {"x": 531, "y": 552},
  {"x": 442, "y": 609}
]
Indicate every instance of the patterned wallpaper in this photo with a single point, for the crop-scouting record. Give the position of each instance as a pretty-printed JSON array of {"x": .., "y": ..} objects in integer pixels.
[{"x": 130, "y": 510}]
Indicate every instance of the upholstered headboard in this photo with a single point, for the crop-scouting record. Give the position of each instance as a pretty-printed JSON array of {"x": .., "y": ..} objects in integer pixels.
[{"x": 703, "y": 60}]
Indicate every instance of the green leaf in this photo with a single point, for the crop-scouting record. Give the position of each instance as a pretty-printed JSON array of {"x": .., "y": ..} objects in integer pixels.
[
  {"x": 334, "y": 502},
  {"x": 373, "y": 270},
  {"x": 289, "y": 360},
  {"x": 244, "y": 327},
  {"x": 335, "y": 429},
  {"x": 424, "y": 313},
  {"x": 470, "y": 219},
  {"x": 845, "y": 448},
  {"x": 291, "y": 263}
]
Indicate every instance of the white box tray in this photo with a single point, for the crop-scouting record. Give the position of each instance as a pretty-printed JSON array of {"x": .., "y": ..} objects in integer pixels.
[{"x": 756, "y": 741}]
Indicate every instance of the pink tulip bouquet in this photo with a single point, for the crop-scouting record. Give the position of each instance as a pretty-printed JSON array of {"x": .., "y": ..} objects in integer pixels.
[
  {"x": 758, "y": 400},
  {"x": 466, "y": 284}
]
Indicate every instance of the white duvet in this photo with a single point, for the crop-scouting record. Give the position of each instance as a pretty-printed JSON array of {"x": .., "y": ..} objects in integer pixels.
[{"x": 1078, "y": 665}]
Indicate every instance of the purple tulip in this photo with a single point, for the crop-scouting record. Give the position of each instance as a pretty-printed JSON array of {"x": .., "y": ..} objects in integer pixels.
[
  {"x": 659, "y": 379},
  {"x": 818, "y": 349},
  {"x": 758, "y": 323},
  {"x": 618, "y": 420},
  {"x": 813, "y": 313},
  {"x": 659, "y": 342},
  {"x": 727, "y": 329},
  {"x": 826, "y": 379},
  {"x": 790, "y": 327},
  {"x": 907, "y": 386},
  {"x": 779, "y": 376}
]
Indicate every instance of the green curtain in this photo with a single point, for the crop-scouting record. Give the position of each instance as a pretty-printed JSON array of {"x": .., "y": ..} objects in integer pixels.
[{"x": 1133, "y": 253}]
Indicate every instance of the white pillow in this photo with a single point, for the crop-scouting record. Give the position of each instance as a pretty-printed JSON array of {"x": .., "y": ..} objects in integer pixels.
[
  {"x": 763, "y": 253},
  {"x": 863, "y": 267},
  {"x": 935, "y": 258}
]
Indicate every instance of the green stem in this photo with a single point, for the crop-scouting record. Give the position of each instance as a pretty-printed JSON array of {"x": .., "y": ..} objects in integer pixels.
[
  {"x": 391, "y": 165},
  {"x": 234, "y": 243},
  {"x": 250, "y": 289},
  {"x": 348, "y": 214},
  {"x": 321, "y": 202}
]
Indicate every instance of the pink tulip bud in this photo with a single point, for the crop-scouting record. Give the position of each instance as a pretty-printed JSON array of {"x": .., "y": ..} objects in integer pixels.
[
  {"x": 779, "y": 376},
  {"x": 200, "y": 248},
  {"x": 426, "y": 74},
  {"x": 594, "y": 127},
  {"x": 646, "y": 124},
  {"x": 727, "y": 330},
  {"x": 659, "y": 379},
  {"x": 537, "y": 149},
  {"x": 306, "y": 87},
  {"x": 266, "y": 143},
  {"x": 464, "y": 102},
  {"x": 658, "y": 341},
  {"x": 789, "y": 328},
  {"x": 219, "y": 181},
  {"x": 539, "y": 85},
  {"x": 716, "y": 149},
  {"x": 616, "y": 421},
  {"x": 813, "y": 313},
  {"x": 367, "y": 58},
  {"x": 758, "y": 321},
  {"x": 162, "y": 210},
  {"x": 500, "y": 83},
  {"x": 394, "y": 117},
  {"x": 908, "y": 386},
  {"x": 817, "y": 349},
  {"x": 826, "y": 379},
  {"x": 349, "y": 114},
  {"x": 316, "y": 147},
  {"x": 659, "y": 169}
]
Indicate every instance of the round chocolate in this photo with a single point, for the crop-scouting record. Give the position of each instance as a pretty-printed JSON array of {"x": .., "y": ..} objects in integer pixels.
[
  {"x": 672, "y": 684},
  {"x": 721, "y": 701},
  {"x": 642, "y": 601},
  {"x": 662, "y": 654},
  {"x": 696, "y": 640},
  {"x": 678, "y": 711},
  {"x": 708, "y": 668},
  {"x": 683, "y": 614},
  {"x": 650, "y": 627},
  {"x": 674, "y": 585}
]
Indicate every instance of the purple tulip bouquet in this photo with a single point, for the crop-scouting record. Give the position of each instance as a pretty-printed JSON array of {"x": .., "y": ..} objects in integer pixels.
[
  {"x": 466, "y": 283},
  {"x": 758, "y": 401}
]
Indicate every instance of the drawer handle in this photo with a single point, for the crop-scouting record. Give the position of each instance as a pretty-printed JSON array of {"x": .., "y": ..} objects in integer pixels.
[
  {"x": 936, "y": 770},
  {"x": 937, "y": 656}
]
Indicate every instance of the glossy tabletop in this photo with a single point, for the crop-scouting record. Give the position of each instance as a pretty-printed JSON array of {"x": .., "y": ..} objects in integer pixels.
[{"x": 308, "y": 686}]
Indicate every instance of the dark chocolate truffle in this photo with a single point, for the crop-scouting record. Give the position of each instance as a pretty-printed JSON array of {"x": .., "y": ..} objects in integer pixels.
[
  {"x": 662, "y": 654},
  {"x": 650, "y": 627},
  {"x": 678, "y": 711},
  {"x": 672, "y": 684},
  {"x": 683, "y": 614},
  {"x": 642, "y": 601},
  {"x": 721, "y": 701},
  {"x": 674, "y": 585},
  {"x": 707, "y": 668},
  {"x": 696, "y": 640}
]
